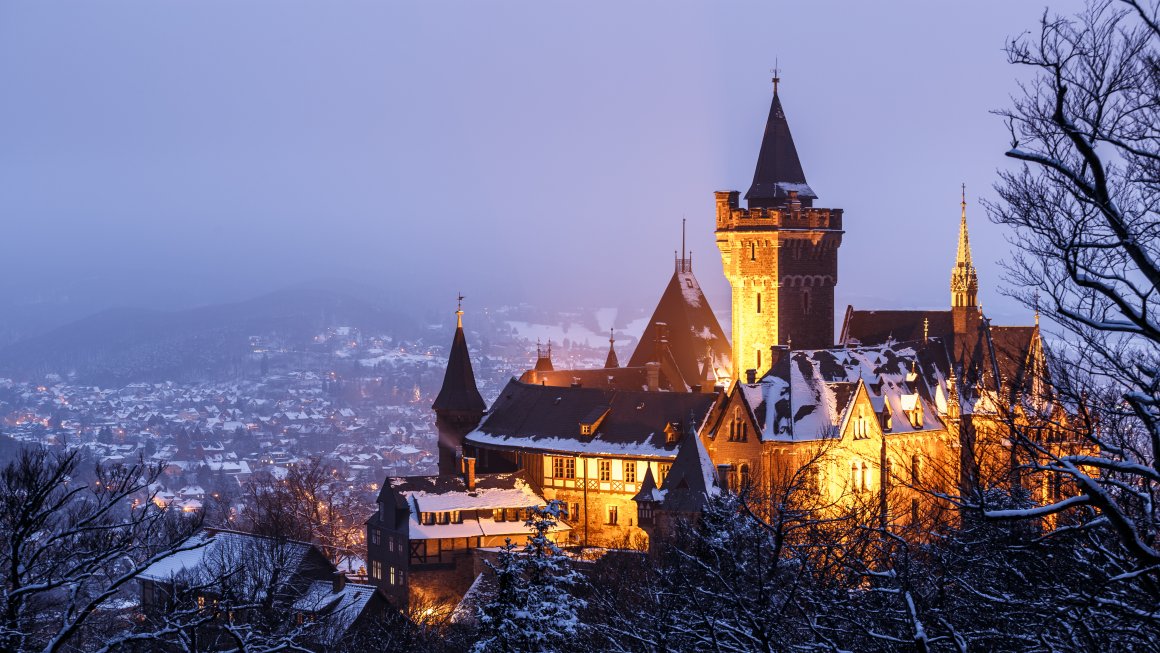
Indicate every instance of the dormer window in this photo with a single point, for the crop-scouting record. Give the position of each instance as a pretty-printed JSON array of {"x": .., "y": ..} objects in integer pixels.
[
  {"x": 672, "y": 433},
  {"x": 591, "y": 421}
]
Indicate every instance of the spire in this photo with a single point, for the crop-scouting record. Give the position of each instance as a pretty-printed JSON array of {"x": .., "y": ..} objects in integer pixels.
[
  {"x": 964, "y": 280},
  {"x": 964, "y": 255},
  {"x": 544, "y": 358},
  {"x": 779, "y": 170},
  {"x": 611, "y": 361},
  {"x": 459, "y": 392}
]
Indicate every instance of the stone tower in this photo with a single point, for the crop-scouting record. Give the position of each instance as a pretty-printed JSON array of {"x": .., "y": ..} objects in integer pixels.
[
  {"x": 459, "y": 406},
  {"x": 780, "y": 254}
]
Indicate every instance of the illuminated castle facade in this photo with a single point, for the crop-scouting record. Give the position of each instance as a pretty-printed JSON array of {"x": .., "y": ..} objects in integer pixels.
[{"x": 899, "y": 403}]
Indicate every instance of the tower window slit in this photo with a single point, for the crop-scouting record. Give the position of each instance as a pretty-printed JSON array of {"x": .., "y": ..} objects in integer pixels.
[{"x": 758, "y": 302}]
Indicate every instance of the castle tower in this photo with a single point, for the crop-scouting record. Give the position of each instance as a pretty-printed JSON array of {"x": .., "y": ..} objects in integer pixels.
[
  {"x": 459, "y": 406},
  {"x": 964, "y": 280},
  {"x": 780, "y": 254}
]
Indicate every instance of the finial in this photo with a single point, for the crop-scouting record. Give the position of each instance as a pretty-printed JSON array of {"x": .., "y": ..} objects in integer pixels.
[
  {"x": 539, "y": 351},
  {"x": 776, "y": 75},
  {"x": 682, "y": 239},
  {"x": 459, "y": 313},
  {"x": 612, "y": 336},
  {"x": 1036, "y": 308},
  {"x": 964, "y": 198},
  {"x": 925, "y": 329}
]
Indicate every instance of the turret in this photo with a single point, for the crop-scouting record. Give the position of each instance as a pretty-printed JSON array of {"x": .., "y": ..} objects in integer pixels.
[
  {"x": 458, "y": 407},
  {"x": 780, "y": 254}
]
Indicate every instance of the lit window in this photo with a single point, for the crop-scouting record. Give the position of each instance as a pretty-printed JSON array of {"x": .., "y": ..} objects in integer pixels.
[
  {"x": 376, "y": 570},
  {"x": 563, "y": 467},
  {"x": 392, "y": 575},
  {"x": 662, "y": 472}
]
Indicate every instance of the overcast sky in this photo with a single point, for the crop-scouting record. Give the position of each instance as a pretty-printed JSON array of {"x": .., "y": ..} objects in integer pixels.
[{"x": 168, "y": 153}]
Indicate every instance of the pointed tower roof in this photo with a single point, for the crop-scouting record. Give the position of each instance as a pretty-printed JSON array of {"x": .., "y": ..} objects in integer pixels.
[
  {"x": 963, "y": 259},
  {"x": 459, "y": 391},
  {"x": 778, "y": 168},
  {"x": 693, "y": 477},
  {"x": 611, "y": 361},
  {"x": 692, "y": 329}
]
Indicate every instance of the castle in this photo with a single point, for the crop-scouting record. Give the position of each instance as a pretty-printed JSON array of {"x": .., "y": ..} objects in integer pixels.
[{"x": 899, "y": 403}]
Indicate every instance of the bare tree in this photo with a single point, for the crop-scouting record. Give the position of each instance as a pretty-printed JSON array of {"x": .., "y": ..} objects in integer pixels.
[
  {"x": 1083, "y": 208},
  {"x": 311, "y": 504},
  {"x": 69, "y": 548}
]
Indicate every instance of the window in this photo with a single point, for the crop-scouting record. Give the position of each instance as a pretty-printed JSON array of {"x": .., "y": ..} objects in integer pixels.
[
  {"x": 513, "y": 514},
  {"x": 391, "y": 543},
  {"x": 914, "y": 511},
  {"x": 392, "y": 579},
  {"x": 752, "y": 251},
  {"x": 805, "y": 301},
  {"x": 376, "y": 539},
  {"x": 672, "y": 432},
  {"x": 916, "y": 469},
  {"x": 758, "y": 302},
  {"x": 573, "y": 511},
  {"x": 861, "y": 424},
  {"x": 662, "y": 472},
  {"x": 744, "y": 476},
  {"x": 456, "y": 517},
  {"x": 758, "y": 360},
  {"x": 563, "y": 467},
  {"x": 428, "y": 518},
  {"x": 497, "y": 514},
  {"x": 612, "y": 515},
  {"x": 630, "y": 471},
  {"x": 444, "y": 518},
  {"x": 376, "y": 570},
  {"x": 605, "y": 467},
  {"x": 200, "y": 602},
  {"x": 888, "y": 475}
]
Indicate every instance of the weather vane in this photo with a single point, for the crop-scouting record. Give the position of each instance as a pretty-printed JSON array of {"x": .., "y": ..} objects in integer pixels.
[{"x": 776, "y": 74}]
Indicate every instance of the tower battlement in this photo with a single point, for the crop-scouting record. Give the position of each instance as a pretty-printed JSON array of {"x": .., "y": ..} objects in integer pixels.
[{"x": 731, "y": 217}]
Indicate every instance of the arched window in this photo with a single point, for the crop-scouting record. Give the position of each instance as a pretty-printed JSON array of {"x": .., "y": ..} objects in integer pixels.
[
  {"x": 758, "y": 302},
  {"x": 805, "y": 301},
  {"x": 888, "y": 474},
  {"x": 744, "y": 476},
  {"x": 853, "y": 477},
  {"x": 916, "y": 469},
  {"x": 865, "y": 477}
]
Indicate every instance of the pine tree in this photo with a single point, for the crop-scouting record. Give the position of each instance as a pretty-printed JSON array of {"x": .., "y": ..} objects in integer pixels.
[{"x": 533, "y": 605}]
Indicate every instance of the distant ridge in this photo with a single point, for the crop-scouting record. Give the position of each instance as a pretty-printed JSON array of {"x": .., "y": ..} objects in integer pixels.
[{"x": 117, "y": 346}]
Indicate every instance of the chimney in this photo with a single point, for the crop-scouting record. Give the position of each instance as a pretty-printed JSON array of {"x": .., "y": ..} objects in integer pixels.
[
  {"x": 470, "y": 463},
  {"x": 775, "y": 354},
  {"x": 794, "y": 203},
  {"x": 653, "y": 373},
  {"x": 751, "y": 376},
  {"x": 338, "y": 582}
]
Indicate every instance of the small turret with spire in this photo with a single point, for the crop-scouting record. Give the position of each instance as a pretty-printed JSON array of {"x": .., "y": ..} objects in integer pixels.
[{"x": 611, "y": 361}]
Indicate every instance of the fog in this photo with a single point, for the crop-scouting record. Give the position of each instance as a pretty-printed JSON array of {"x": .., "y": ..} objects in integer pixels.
[{"x": 171, "y": 154}]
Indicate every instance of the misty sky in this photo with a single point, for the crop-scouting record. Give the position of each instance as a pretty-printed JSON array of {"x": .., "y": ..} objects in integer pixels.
[{"x": 172, "y": 153}]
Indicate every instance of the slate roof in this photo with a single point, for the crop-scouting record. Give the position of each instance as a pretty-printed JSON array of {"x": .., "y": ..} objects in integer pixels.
[
  {"x": 809, "y": 393},
  {"x": 877, "y": 327},
  {"x": 530, "y": 417},
  {"x": 693, "y": 333},
  {"x": 459, "y": 391},
  {"x": 779, "y": 170},
  {"x": 619, "y": 378}
]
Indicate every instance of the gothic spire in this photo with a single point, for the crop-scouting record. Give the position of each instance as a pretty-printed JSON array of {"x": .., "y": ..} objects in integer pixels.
[
  {"x": 964, "y": 255},
  {"x": 459, "y": 392},
  {"x": 964, "y": 280},
  {"x": 779, "y": 170}
]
